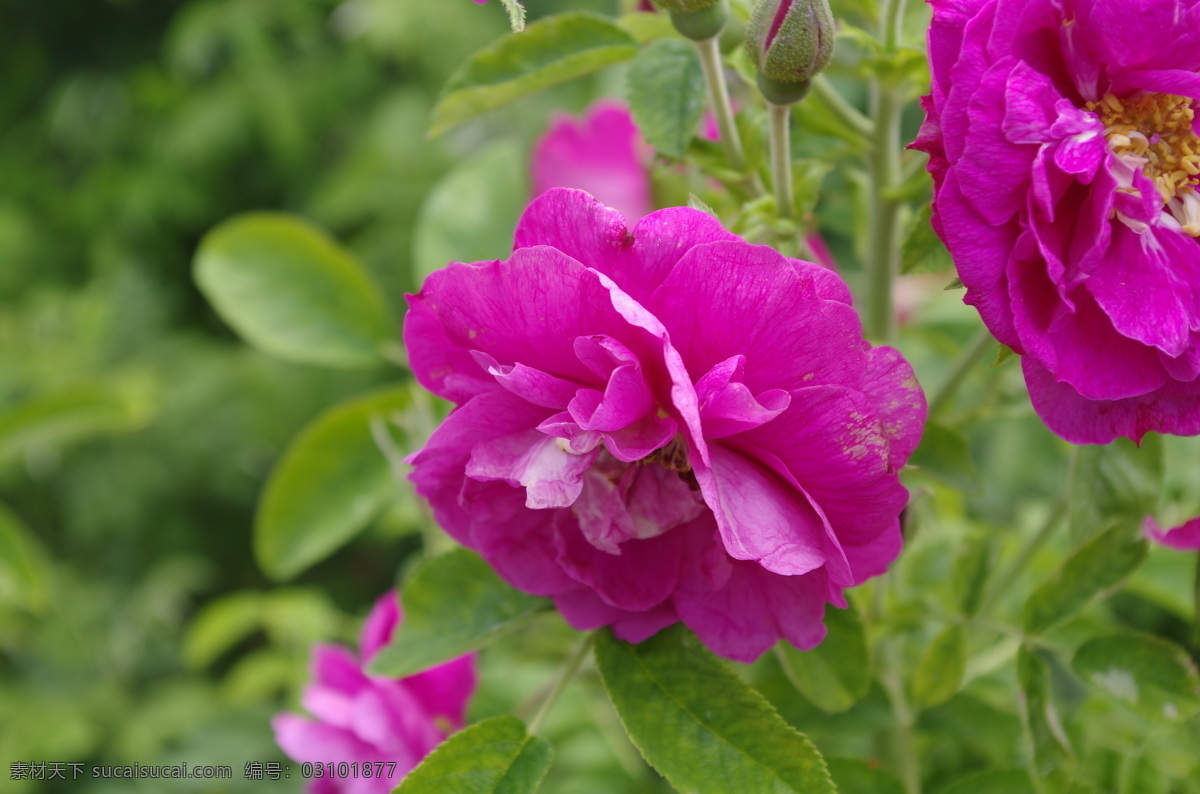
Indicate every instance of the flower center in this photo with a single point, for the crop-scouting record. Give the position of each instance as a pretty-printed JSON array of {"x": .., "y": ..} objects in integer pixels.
[
  {"x": 672, "y": 457},
  {"x": 1155, "y": 132}
]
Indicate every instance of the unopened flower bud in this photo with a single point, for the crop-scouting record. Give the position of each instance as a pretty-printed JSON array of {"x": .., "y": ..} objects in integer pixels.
[
  {"x": 790, "y": 42},
  {"x": 696, "y": 19}
]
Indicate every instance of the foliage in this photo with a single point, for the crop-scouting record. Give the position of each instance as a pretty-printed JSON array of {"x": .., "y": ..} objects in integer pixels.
[{"x": 161, "y": 438}]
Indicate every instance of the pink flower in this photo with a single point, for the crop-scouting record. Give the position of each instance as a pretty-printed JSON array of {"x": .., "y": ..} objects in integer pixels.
[
  {"x": 599, "y": 154},
  {"x": 663, "y": 424},
  {"x": 1058, "y": 133},
  {"x": 360, "y": 718},
  {"x": 1185, "y": 537}
]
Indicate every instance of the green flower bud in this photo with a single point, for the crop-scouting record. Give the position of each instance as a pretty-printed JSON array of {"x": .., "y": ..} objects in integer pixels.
[
  {"x": 790, "y": 42},
  {"x": 696, "y": 19}
]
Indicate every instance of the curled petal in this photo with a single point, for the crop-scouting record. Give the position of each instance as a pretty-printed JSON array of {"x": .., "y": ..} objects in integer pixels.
[{"x": 1185, "y": 537}]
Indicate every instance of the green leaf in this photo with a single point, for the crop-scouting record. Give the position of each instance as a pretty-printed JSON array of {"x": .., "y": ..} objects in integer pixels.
[
  {"x": 853, "y": 776},
  {"x": 291, "y": 290},
  {"x": 1097, "y": 568},
  {"x": 808, "y": 175},
  {"x": 647, "y": 26},
  {"x": 1118, "y": 482},
  {"x": 972, "y": 569},
  {"x": 331, "y": 482},
  {"x": 697, "y": 203},
  {"x": 1153, "y": 676},
  {"x": 945, "y": 454},
  {"x": 700, "y": 725},
  {"x": 1049, "y": 746},
  {"x": 52, "y": 421},
  {"x": 1004, "y": 354},
  {"x": 453, "y": 604},
  {"x": 495, "y": 756},
  {"x": 666, "y": 92},
  {"x": 24, "y": 569},
  {"x": 940, "y": 673},
  {"x": 221, "y": 624},
  {"x": 837, "y": 673},
  {"x": 470, "y": 215},
  {"x": 552, "y": 50},
  {"x": 922, "y": 251},
  {"x": 1141, "y": 775},
  {"x": 1010, "y": 781}
]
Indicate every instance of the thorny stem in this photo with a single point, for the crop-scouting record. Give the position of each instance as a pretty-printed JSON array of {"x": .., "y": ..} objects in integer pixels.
[
  {"x": 722, "y": 108},
  {"x": 568, "y": 672},
  {"x": 962, "y": 367},
  {"x": 781, "y": 158}
]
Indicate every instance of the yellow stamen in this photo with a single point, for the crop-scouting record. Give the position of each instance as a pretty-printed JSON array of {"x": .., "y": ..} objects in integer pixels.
[{"x": 1158, "y": 129}]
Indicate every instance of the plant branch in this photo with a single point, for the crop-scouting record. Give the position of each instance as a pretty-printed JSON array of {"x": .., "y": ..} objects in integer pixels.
[
  {"x": 962, "y": 367},
  {"x": 1196, "y": 612},
  {"x": 845, "y": 112},
  {"x": 1018, "y": 566},
  {"x": 883, "y": 256},
  {"x": 902, "y": 740},
  {"x": 568, "y": 672}
]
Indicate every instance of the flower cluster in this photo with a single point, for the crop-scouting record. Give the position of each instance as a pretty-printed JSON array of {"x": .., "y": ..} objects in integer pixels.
[
  {"x": 1063, "y": 143},
  {"x": 663, "y": 424},
  {"x": 365, "y": 719}
]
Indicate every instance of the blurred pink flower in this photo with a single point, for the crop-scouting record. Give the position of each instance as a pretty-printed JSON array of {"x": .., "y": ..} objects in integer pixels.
[
  {"x": 361, "y": 718},
  {"x": 1185, "y": 537},
  {"x": 663, "y": 423},
  {"x": 600, "y": 154}
]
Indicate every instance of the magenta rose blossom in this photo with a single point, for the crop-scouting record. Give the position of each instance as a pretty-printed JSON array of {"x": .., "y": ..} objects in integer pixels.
[
  {"x": 1063, "y": 144},
  {"x": 1185, "y": 537},
  {"x": 600, "y": 153},
  {"x": 364, "y": 719},
  {"x": 663, "y": 424}
]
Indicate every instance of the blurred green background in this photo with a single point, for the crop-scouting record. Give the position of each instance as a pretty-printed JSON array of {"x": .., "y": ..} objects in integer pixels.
[{"x": 137, "y": 431}]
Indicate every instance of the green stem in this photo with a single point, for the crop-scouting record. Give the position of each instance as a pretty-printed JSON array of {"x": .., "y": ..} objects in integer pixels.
[
  {"x": 903, "y": 742},
  {"x": 1018, "y": 566},
  {"x": 891, "y": 17},
  {"x": 722, "y": 108},
  {"x": 568, "y": 672},
  {"x": 967, "y": 359},
  {"x": 781, "y": 157},
  {"x": 883, "y": 260},
  {"x": 718, "y": 100},
  {"x": 845, "y": 112},
  {"x": 883, "y": 257},
  {"x": 1196, "y": 614}
]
